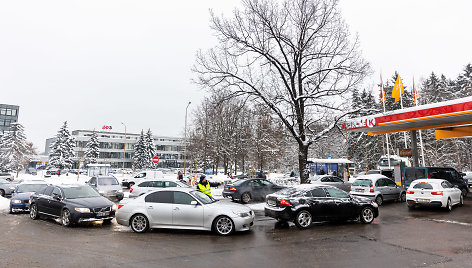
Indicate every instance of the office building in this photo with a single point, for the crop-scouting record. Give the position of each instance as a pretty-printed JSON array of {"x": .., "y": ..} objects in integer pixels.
[{"x": 8, "y": 115}]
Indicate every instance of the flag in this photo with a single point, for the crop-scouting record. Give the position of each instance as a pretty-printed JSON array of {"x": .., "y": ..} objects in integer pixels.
[
  {"x": 382, "y": 89},
  {"x": 415, "y": 92},
  {"x": 398, "y": 89}
]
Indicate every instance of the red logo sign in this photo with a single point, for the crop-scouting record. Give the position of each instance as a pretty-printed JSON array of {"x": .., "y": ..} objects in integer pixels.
[
  {"x": 155, "y": 159},
  {"x": 106, "y": 127}
]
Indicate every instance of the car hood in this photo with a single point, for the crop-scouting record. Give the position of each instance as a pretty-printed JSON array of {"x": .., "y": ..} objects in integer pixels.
[
  {"x": 22, "y": 196},
  {"x": 98, "y": 201},
  {"x": 228, "y": 206}
]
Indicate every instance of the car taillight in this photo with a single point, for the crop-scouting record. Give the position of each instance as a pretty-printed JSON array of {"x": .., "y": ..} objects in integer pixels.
[
  {"x": 371, "y": 188},
  {"x": 437, "y": 193},
  {"x": 120, "y": 206},
  {"x": 131, "y": 190},
  {"x": 409, "y": 192},
  {"x": 232, "y": 188},
  {"x": 427, "y": 175},
  {"x": 283, "y": 202}
]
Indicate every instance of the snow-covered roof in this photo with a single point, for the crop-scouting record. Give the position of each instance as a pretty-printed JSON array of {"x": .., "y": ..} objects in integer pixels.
[
  {"x": 330, "y": 161},
  {"x": 372, "y": 177}
]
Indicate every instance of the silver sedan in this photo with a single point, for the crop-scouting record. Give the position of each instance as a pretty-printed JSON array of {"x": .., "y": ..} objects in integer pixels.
[
  {"x": 183, "y": 208},
  {"x": 152, "y": 185},
  {"x": 6, "y": 188},
  {"x": 331, "y": 181}
]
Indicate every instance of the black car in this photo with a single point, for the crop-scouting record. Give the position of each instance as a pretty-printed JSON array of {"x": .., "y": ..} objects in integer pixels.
[
  {"x": 72, "y": 204},
  {"x": 308, "y": 203},
  {"x": 247, "y": 189},
  {"x": 449, "y": 174}
]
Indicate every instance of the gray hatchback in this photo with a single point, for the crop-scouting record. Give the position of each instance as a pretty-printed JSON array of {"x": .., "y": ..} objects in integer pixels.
[
  {"x": 107, "y": 186},
  {"x": 378, "y": 187}
]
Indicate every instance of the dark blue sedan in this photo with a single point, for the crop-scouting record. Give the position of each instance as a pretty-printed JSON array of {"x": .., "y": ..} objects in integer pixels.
[{"x": 20, "y": 197}]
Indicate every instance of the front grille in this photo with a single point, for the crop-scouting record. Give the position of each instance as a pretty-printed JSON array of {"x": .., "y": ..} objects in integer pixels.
[{"x": 104, "y": 209}]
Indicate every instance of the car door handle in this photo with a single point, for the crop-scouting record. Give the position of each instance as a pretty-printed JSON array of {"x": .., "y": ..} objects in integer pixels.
[
  {"x": 150, "y": 207},
  {"x": 176, "y": 209}
]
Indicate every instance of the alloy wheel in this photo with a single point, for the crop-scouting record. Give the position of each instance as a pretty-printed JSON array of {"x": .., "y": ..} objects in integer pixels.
[
  {"x": 367, "y": 215},
  {"x": 33, "y": 212},
  {"x": 65, "y": 217},
  {"x": 245, "y": 198},
  {"x": 139, "y": 223},
  {"x": 449, "y": 206},
  {"x": 304, "y": 219},
  {"x": 224, "y": 225},
  {"x": 461, "y": 201},
  {"x": 379, "y": 200}
]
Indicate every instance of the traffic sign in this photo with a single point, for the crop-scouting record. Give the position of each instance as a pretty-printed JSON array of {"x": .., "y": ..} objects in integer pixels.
[{"x": 155, "y": 159}]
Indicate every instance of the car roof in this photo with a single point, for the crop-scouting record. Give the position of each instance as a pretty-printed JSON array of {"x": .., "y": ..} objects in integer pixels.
[
  {"x": 68, "y": 185},
  {"x": 428, "y": 180},
  {"x": 372, "y": 177},
  {"x": 33, "y": 182}
]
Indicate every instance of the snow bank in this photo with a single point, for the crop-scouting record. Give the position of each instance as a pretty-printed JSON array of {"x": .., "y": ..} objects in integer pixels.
[{"x": 4, "y": 204}]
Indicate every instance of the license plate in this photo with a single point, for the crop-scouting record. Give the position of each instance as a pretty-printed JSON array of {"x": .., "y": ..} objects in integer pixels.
[
  {"x": 101, "y": 214},
  {"x": 422, "y": 200},
  {"x": 271, "y": 203},
  {"x": 360, "y": 190}
]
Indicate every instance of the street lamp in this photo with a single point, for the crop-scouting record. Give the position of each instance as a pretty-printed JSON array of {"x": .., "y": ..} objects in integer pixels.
[
  {"x": 124, "y": 147},
  {"x": 185, "y": 139}
]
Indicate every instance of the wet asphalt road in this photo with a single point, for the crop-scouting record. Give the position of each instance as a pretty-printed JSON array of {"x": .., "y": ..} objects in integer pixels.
[{"x": 398, "y": 238}]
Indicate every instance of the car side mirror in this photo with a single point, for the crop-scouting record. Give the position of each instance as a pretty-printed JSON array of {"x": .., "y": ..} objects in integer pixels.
[
  {"x": 194, "y": 203},
  {"x": 58, "y": 197}
]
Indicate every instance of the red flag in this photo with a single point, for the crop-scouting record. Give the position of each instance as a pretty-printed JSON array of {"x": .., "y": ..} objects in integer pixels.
[
  {"x": 415, "y": 92},
  {"x": 382, "y": 89}
]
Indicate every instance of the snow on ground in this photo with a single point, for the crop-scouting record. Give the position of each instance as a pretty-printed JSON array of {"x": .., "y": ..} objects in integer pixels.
[{"x": 4, "y": 204}]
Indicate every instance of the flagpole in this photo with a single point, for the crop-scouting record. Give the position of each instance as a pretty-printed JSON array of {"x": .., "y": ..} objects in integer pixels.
[
  {"x": 404, "y": 132},
  {"x": 383, "y": 99},
  {"x": 415, "y": 97}
]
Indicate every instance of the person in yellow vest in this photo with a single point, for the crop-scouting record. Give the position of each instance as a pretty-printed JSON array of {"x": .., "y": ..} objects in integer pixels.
[{"x": 204, "y": 185}]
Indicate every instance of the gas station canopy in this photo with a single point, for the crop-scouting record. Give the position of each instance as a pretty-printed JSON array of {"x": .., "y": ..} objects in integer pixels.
[{"x": 451, "y": 119}]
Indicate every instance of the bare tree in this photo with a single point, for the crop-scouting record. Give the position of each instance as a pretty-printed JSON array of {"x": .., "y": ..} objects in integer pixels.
[{"x": 293, "y": 56}]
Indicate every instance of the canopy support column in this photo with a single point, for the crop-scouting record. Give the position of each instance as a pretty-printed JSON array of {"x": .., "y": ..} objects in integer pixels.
[{"x": 414, "y": 148}]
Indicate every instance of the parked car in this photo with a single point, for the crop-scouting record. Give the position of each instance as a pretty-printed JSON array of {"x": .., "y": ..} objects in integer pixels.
[
  {"x": 21, "y": 196},
  {"x": 6, "y": 187},
  {"x": 6, "y": 176},
  {"x": 434, "y": 193},
  {"x": 108, "y": 186},
  {"x": 449, "y": 174},
  {"x": 247, "y": 189},
  {"x": 31, "y": 171},
  {"x": 331, "y": 180},
  {"x": 183, "y": 208},
  {"x": 307, "y": 203},
  {"x": 468, "y": 177},
  {"x": 151, "y": 185},
  {"x": 377, "y": 187},
  {"x": 143, "y": 175},
  {"x": 72, "y": 204},
  {"x": 387, "y": 173}
]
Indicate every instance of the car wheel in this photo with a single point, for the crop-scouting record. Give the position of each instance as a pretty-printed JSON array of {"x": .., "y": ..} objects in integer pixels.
[
  {"x": 11, "y": 211},
  {"x": 367, "y": 215},
  {"x": 139, "y": 223},
  {"x": 379, "y": 200},
  {"x": 461, "y": 201},
  {"x": 464, "y": 192},
  {"x": 303, "y": 219},
  {"x": 106, "y": 222},
  {"x": 2, "y": 192},
  {"x": 449, "y": 205},
  {"x": 34, "y": 211},
  {"x": 245, "y": 198},
  {"x": 223, "y": 225},
  {"x": 402, "y": 197},
  {"x": 66, "y": 218}
]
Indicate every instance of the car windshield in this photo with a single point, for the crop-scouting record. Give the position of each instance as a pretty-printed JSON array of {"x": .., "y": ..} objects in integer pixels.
[
  {"x": 26, "y": 188},
  {"x": 107, "y": 181},
  {"x": 79, "y": 192},
  {"x": 205, "y": 199},
  {"x": 423, "y": 185},
  {"x": 362, "y": 182}
]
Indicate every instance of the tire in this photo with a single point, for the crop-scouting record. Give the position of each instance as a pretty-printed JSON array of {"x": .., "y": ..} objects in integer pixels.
[
  {"x": 464, "y": 192},
  {"x": 2, "y": 192},
  {"x": 223, "y": 225},
  {"x": 245, "y": 198},
  {"x": 367, "y": 215},
  {"x": 379, "y": 200},
  {"x": 106, "y": 222},
  {"x": 11, "y": 211},
  {"x": 34, "y": 212},
  {"x": 449, "y": 205},
  {"x": 303, "y": 220},
  {"x": 139, "y": 223},
  {"x": 461, "y": 201},
  {"x": 66, "y": 219},
  {"x": 402, "y": 197}
]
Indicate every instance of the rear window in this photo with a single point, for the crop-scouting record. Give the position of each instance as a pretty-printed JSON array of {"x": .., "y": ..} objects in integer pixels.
[
  {"x": 239, "y": 182},
  {"x": 426, "y": 186},
  {"x": 362, "y": 182},
  {"x": 415, "y": 174},
  {"x": 108, "y": 181}
]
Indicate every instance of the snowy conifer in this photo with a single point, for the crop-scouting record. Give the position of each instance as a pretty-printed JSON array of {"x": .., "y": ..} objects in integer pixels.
[
  {"x": 15, "y": 149},
  {"x": 151, "y": 148},
  {"x": 92, "y": 152},
  {"x": 62, "y": 150},
  {"x": 141, "y": 155}
]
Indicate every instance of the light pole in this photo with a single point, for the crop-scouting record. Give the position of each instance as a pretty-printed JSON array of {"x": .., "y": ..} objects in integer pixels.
[
  {"x": 185, "y": 139},
  {"x": 124, "y": 147}
]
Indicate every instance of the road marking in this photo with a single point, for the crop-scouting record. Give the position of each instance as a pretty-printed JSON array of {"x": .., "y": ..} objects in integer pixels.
[{"x": 453, "y": 222}]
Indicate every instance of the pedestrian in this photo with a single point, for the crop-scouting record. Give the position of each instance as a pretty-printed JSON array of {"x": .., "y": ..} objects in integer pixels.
[
  {"x": 335, "y": 173},
  {"x": 321, "y": 172},
  {"x": 204, "y": 185},
  {"x": 180, "y": 176}
]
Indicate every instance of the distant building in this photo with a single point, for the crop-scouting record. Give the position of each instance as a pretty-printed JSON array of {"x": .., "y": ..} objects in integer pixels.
[
  {"x": 8, "y": 115},
  {"x": 170, "y": 150}
]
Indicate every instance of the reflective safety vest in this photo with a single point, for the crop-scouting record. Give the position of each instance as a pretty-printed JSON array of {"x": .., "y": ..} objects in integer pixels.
[{"x": 205, "y": 188}]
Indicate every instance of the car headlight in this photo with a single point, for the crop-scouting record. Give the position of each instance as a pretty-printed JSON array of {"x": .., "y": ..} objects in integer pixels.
[
  {"x": 242, "y": 214},
  {"x": 16, "y": 201},
  {"x": 12, "y": 188},
  {"x": 114, "y": 207},
  {"x": 82, "y": 210},
  {"x": 101, "y": 192},
  {"x": 120, "y": 191}
]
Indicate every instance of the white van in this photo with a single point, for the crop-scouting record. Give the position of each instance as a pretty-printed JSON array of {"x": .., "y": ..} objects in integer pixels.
[{"x": 142, "y": 175}]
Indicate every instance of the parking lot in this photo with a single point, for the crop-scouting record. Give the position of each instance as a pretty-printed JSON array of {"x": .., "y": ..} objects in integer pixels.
[{"x": 398, "y": 238}]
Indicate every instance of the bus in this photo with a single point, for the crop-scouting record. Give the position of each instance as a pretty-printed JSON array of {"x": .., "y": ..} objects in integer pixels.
[{"x": 331, "y": 166}]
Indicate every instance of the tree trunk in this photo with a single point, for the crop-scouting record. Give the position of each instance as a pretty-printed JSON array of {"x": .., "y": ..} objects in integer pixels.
[{"x": 302, "y": 160}]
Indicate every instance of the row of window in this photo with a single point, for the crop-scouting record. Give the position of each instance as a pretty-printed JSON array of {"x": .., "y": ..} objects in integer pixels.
[
  {"x": 129, "y": 146},
  {"x": 8, "y": 111},
  {"x": 6, "y": 122}
]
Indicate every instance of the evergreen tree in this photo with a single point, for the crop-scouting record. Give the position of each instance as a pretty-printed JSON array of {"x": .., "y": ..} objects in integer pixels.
[
  {"x": 150, "y": 148},
  {"x": 93, "y": 149},
  {"x": 464, "y": 83},
  {"x": 62, "y": 150},
  {"x": 141, "y": 154},
  {"x": 14, "y": 149}
]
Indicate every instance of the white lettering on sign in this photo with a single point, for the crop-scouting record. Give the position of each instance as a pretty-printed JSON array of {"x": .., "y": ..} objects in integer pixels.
[{"x": 360, "y": 123}]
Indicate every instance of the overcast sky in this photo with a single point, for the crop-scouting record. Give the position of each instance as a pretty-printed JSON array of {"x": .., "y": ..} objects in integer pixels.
[{"x": 96, "y": 63}]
